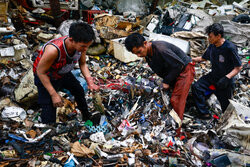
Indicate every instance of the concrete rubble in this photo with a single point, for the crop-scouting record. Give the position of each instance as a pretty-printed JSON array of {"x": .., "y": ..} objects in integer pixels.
[{"x": 137, "y": 126}]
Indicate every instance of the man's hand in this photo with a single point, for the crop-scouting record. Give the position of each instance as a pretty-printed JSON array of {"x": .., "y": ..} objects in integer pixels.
[
  {"x": 91, "y": 84},
  {"x": 223, "y": 83},
  {"x": 57, "y": 100},
  {"x": 165, "y": 86},
  {"x": 197, "y": 59},
  {"x": 93, "y": 87}
]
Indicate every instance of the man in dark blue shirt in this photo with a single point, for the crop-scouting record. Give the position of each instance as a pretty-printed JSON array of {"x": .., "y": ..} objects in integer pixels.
[
  {"x": 226, "y": 64},
  {"x": 170, "y": 63}
]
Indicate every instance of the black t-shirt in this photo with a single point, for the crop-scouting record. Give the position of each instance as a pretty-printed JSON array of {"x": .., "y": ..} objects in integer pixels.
[
  {"x": 167, "y": 61},
  {"x": 223, "y": 59}
]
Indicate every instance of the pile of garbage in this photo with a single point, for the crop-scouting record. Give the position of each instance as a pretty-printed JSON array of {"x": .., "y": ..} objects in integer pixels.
[{"x": 137, "y": 125}]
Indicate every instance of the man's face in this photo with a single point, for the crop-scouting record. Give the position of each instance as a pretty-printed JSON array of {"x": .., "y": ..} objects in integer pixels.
[
  {"x": 140, "y": 51},
  {"x": 81, "y": 46},
  {"x": 213, "y": 39}
]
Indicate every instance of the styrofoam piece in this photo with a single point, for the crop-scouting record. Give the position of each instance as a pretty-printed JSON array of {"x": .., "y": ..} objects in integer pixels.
[
  {"x": 121, "y": 53},
  {"x": 182, "y": 44}
]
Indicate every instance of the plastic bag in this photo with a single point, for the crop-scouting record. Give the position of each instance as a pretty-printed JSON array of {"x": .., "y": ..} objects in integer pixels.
[{"x": 131, "y": 5}]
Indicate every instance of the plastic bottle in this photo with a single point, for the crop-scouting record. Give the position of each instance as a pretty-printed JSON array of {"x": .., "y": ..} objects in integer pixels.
[{"x": 102, "y": 120}]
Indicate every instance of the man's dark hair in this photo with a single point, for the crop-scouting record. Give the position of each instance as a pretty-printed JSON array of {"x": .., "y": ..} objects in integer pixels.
[
  {"x": 215, "y": 28},
  {"x": 134, "y": 40},
  {"x": 81, "y": 32}
]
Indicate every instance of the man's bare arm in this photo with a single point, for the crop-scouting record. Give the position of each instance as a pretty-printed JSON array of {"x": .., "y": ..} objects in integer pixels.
[
  {"x": 234, "y": 72},
  {"x": 85, "y": 71},
  {"x": 49, "y": 57},
  {"x": 198, "y": 59},
  {"x": 84, "y": 67}
]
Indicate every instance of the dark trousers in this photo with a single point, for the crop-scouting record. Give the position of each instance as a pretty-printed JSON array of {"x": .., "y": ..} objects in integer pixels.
[
  {"x": 68, "y": 82},
  {"x": 181, "y": 89},
  {"x": 200, "y": 88}
]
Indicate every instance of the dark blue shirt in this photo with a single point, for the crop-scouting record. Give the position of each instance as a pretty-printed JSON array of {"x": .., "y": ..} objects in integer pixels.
[{"x": 223, "y": 59}]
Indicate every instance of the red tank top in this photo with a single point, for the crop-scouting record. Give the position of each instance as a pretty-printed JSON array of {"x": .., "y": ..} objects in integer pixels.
[{"x": 63, "y": 64}]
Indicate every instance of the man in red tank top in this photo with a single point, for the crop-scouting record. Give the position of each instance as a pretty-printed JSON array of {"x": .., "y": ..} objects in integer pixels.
[{"x": 52, "y": 70}]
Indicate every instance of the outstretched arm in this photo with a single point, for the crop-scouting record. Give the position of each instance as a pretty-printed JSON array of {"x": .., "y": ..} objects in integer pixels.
[
  {"x": 85, "y": 72},
  {"x": 198, "y": 59}
]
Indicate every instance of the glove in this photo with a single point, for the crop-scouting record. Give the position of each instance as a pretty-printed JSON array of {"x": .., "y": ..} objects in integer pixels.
[{"x": 223, "y": 83}]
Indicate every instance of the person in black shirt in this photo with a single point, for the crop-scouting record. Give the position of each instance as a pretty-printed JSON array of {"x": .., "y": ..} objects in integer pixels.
[
  {"x": 170, "y": 63},
  {"x": 226, "y": 64}
]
